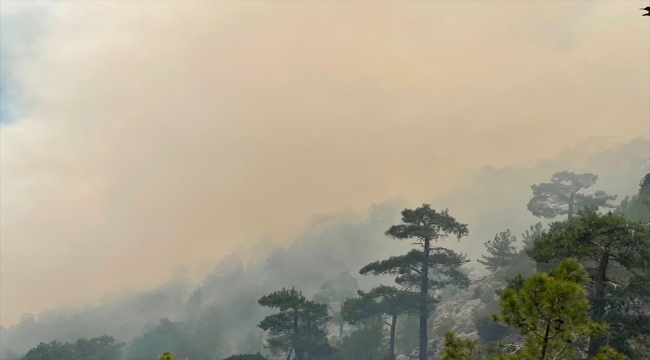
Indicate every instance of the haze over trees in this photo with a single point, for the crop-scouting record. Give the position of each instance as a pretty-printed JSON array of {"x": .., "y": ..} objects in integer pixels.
[
  {"x": 429, "y": 267},
  {"x": 594, "y": 305},
  {"x": 562, "y": 196}
]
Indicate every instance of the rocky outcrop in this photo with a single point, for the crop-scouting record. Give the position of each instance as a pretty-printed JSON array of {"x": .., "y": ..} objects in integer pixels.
[{"x": 458, "y": 314}]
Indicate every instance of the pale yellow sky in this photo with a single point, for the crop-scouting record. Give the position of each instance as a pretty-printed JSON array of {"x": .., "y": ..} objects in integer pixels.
[{"x": 166, "y": 132}]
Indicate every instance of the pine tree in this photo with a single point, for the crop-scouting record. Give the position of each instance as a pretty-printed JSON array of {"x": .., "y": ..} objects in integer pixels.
[
  {"x": 501, "y": 251},
  {"x": 380, "y": 303},
  {"x": 298, "y": 327},
  {"x": 429, "y": 267},
  {"x": 551, "y": 311},
  {"x": 561, "y": 196},
  {"x": 532, "y": 234},
  {"x": 616, "y": 252}
]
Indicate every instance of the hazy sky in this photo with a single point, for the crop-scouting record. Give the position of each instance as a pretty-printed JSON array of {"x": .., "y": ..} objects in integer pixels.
[{"x": 149, "y": 134}]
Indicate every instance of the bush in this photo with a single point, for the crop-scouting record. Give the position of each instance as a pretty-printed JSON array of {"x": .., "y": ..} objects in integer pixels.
[{"x": 490, "y": 331}]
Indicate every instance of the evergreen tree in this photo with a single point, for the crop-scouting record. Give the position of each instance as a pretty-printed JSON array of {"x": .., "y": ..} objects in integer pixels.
[
  {"x": 298, "y": 327},
  {"x": 637, "y": 207},
  {"x": 99, "y": 348},
  {"x": 429, "y": 267},
  {"x": 551, "y": 311},
  {"x": 366, "y": 342},
  {"x": 380, "y": 303},
  {"x": 501, "y": 251},
  {"x": 561, "y": 196},
  {"x": 616, "y": 253},
  {"x": 532, "y": 234}
]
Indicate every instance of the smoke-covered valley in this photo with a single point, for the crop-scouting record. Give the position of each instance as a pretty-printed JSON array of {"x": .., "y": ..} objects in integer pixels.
[
  {"x": 167, "y": 167},
  {"x": 490, "y": 200}
]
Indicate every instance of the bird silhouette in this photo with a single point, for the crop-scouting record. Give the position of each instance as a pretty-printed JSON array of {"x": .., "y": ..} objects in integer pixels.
[{"x": 647, "y": 8}]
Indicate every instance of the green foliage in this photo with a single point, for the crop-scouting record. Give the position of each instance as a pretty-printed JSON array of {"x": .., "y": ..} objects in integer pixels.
[
  {"x": 459, "y": 349},
  {"x": 532, "y": 234},
  {"x": 501, "y": 251},
  {"x": 616, "y": 252},
  {"x": 379, "y": 302},
  {"x": 255, "y": 356},
  {"x": 428, "y": 269},
  {"x": 298, "y": 327},
  {"x": 561, "y": 196},
  {"x": 634, "y": 208},
  {"x": 165, "y": 356},
  {"x": 608, "y": 353},
  {"x": 637, "y": 207},
  {"x": 100, "y": 348},
  {"x": 366, "y": 342},
  {"x": 489, "y": 330},
  {"x": 550, "y": 311}
]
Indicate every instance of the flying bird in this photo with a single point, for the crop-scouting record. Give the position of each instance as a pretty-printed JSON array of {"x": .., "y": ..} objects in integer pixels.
[{"x": 647, "y": 8}]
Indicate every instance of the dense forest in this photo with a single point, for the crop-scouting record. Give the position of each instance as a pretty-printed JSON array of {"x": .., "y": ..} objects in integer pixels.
[{"x": 574, "y": 285}]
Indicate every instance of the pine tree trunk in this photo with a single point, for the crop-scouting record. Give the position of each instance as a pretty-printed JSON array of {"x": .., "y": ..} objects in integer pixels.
[
  {"x": 341, "y": 330},
  {"x": 393, "y": 325},
  {"x": 424, "y": 297},
  {"x": 598, "y": 304},
  {"x": 295, "y": 329}
]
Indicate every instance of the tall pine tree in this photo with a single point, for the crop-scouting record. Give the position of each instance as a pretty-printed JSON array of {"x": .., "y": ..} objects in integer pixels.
[{"x": 428, "y": 267}]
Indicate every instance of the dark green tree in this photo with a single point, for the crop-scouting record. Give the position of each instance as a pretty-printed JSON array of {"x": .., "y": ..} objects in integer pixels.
[
  {"x": 298, "y": 327},
  {"x": 459, "y": 349},
  {"x": 99, "y": 348},
  {"x": 532, "y": 234},
  {"x": 54, "y": 350},
  {"x": 501, "y": 251},
  {"x": 637, "y": 207},
  {"x": 385, "y": 303},
  {"x": 366, "y": 342},
  {"x": 489, "y": 330},
  {"x": 616, "y": 254},
  {"x": 551, "y": 311},
  {"x": 427, "y": 268},
  {"x": 334, "y": 292},
  {"x": 561, "y": 196}
]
